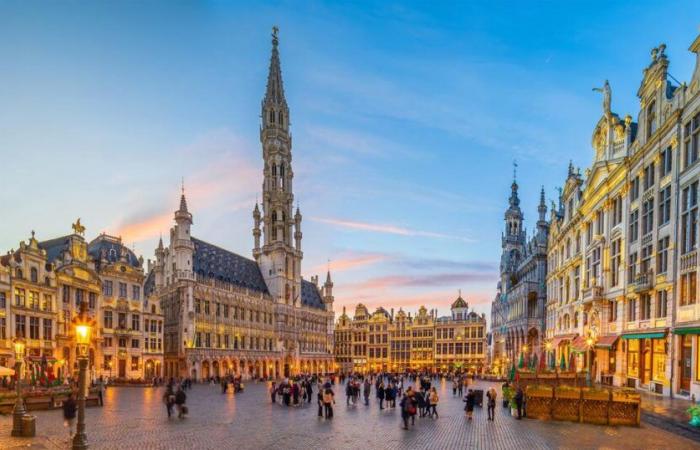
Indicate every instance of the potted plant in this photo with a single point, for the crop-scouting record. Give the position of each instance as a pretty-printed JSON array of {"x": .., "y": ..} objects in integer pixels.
[{"x": 694, "y": 412}]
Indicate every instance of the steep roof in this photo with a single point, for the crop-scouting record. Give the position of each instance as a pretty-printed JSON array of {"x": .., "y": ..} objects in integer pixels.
[
  {"x": 215, "y": 262},
  {"x": 149, "y": 284},
  {"x": 459, "y": 303},
  {"x": 112, "y": 248},
  {"x": 310, "y": 296},
  {"x": 55, "y": 247}
]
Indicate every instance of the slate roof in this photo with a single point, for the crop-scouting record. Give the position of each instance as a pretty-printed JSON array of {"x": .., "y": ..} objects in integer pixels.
[
  {"x": 310, "y": 296},
  {"x": 215, "y": 262},
  {"x": 113, "y": 250},
  {"x": 459, "y": 303},
  {"x": 149, "y": 284},
  {"x": 55, "y": 247}
]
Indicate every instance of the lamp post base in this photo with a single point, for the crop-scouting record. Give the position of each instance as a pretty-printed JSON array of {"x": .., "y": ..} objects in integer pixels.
[{"x": 20, "y": 409}]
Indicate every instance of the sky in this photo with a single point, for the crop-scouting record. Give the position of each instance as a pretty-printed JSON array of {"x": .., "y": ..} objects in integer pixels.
[{"x": 406, "y": 119}]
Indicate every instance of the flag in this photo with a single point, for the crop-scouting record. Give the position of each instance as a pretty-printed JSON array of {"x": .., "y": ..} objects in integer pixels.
[
  {"x": 521, "y": 363},
  {"x": 511, "y": 375},
  {"x": 562, "y": 365}
]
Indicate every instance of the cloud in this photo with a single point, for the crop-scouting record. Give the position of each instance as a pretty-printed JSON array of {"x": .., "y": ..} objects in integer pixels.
[
  {"x": 428, "y": 280},
  {"x": 385, "y": 228},
  {"x": 228, "y": 180},
  {"x": 436, "y": 263},
  {"x": 356, "y": 142},
  {"x": 352, "y": 260}
]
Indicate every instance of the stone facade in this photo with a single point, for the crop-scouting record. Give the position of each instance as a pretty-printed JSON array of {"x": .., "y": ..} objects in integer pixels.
[
  {"x": 384, "y": 341},
  {"x": 227, "y": 314},
  {"x": 518, "y": 311},
  {"x": 41, "y": 287},
  {"x": 622, "y": 290}
]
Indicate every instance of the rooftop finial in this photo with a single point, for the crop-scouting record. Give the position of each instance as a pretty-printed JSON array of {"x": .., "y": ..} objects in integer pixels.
[
  {"x": 515, "y": 170},
  {"x": 275, "y": 35},
  {"x": 183, "y": 186}
]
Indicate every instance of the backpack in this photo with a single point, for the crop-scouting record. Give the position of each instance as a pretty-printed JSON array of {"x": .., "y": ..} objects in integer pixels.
[{"x": 327, "y": 396}]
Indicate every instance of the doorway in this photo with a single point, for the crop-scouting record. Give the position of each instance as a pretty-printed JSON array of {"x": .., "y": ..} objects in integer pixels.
[
  {"x": 686, "y": 364},
  {"x": 122, "y": 368}
]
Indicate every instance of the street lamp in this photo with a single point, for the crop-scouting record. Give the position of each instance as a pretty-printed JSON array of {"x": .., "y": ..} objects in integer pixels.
[
  {"x": 590, "y": 341},
  {"x": 19, "y": 411},
  {"x": 83, "y": 330}
]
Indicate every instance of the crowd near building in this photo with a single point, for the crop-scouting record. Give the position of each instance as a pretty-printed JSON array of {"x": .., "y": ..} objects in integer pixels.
[
  {"x": 621, "y": 253},
  {"x": 42, "y": 285},
  {"x": 197, "y": 310},
  {"x": 388, "y": 342}
]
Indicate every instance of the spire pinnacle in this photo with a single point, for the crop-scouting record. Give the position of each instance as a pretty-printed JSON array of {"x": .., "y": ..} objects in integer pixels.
[{"x": 275, "y": 89}]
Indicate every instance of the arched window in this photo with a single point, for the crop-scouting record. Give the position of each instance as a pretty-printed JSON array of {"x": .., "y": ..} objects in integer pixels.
[
  {"x": 272, "y": 117},
  {"x": 34, "y": 274},
  {"x": 274, "y": 170},
  {"x": 19, "y": 273},
  {"x": 651, "y": 119},
  {"x": 281, "y": 118},
  {"x": 576, "y": 320},
  {"x": 274, "y": 216},
  {"x": 282, "y": 170}
]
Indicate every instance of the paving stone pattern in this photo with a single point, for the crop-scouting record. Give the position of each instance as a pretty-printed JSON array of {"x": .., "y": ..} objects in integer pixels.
[{"x": 135, "y": 418}]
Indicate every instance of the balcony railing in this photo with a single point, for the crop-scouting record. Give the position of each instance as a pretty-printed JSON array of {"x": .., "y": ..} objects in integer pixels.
[
  {"x": 689, "y": 261},
  {"x": 592, "y": 293},
  {"x": 644, "y": 281}
]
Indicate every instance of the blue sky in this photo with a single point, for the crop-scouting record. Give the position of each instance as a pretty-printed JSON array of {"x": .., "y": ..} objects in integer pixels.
[{"x": 405, "y": 117}]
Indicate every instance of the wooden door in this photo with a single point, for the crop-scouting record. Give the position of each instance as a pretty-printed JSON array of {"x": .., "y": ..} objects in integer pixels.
[
  {"x": 122, "y": 368},
  {"x": 686, "y": 364}
]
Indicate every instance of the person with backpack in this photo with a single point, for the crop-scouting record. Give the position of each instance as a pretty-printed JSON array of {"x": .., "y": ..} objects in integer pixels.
[
  {"x": 491, "y": 403},
  {"x": 408, "y": 408},
  {"x": 434, "y": 399},
  {"x": 328, "y": 401}
]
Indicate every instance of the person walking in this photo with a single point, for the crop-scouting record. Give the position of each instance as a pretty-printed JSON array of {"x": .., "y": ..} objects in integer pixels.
[
  {"x": 309, "y": 391},
  {"x": 169, "y": 400},
  {"x": 434, "y": 400},
  {"x": 348, "y": 392},
  {"x": 491, "y": 403},
  {"x": 328, "y": 401},
  {"x": 470, "y": 400},
  {"x": 69, "y": 410},
  {"x": 455, "y": 383},
  {"x": 408, "y": 408},
  {"x": 367, "y": 387},
  {"x": 381, "y": 393},
  {"x": 519, "y": 396}
]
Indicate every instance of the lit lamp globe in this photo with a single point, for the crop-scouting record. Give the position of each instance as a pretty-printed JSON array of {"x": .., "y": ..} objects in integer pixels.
[
  {"x": 19, "y": 344},
  {"x": 548, "y": 345}
]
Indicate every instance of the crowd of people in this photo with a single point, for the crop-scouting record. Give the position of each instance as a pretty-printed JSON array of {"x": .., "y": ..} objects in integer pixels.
[{"x": 293, "y": 390}]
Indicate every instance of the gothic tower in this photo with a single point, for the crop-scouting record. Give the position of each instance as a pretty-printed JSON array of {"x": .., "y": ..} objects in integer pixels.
[
  {"x": 513, "y": 240},
  {"x": 280, "y": 256}
]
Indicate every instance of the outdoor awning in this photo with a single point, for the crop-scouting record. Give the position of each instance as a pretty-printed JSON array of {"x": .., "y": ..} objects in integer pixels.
[
  {"x": 579, "y": 344},
  {"x": 689, "y": 330},
  {"x": 606, "y": 341},
  {"x": 644, "y": 335},
  {"x": 556, "y": 340}
]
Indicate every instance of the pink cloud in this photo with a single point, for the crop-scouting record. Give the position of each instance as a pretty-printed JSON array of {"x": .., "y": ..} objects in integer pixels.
[
  {"x": 438, "y": 279},
  {"x": 351, "y": 260},
  {"x": 385, "y": 228}
]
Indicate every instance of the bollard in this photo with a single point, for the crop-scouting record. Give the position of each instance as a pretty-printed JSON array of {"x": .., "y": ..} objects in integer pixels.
[{"x": 28, "y": 426}]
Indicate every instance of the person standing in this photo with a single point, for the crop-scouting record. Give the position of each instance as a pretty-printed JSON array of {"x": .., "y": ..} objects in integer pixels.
[
  {"x": 309, "y": 391},
  {"x": 519, "y": 396},
  {"x": 470, "y": 400},
  {"x": 367, "y": 387},
  {"x": 455, "y": 383},
  {"x": 319, "y": 398},
  {"x": 69, "y": 410},
  {"x": 273, "y": 392},
  {"x": 328, "y": 401},
  {"x": 380, "y": 395},
  {"x": 408, "y": 408},
  {"x": 180, "y": 400},
  {"x": 434, "y": 400},
  {"x": 491, "y": 403},
  {"x": 348, "y": 392}
]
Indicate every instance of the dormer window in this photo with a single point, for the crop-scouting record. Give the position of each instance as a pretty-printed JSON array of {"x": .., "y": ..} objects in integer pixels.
[{"x": 651, "y": 119}]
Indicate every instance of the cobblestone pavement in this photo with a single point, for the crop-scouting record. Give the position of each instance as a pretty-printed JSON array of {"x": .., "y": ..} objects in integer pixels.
[{"x": 135, "y": 418}]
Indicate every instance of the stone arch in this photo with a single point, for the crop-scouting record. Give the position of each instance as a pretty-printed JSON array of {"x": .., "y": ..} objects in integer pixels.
[
  {"x": 206, "y": 369},
  {"x": 215, "y": 372}
]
